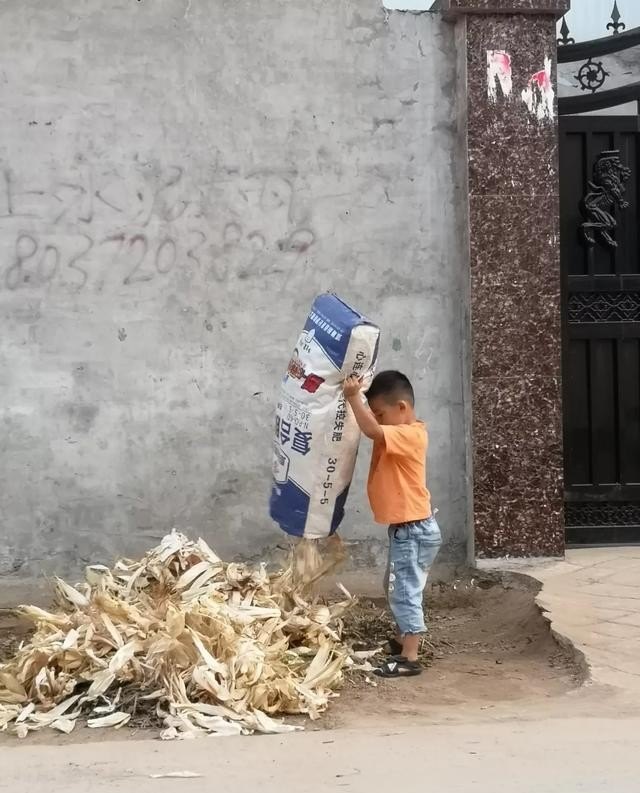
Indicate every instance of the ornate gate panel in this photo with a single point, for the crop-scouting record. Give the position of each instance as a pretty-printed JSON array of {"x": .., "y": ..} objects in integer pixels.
[{"x": 600, "y": 256}]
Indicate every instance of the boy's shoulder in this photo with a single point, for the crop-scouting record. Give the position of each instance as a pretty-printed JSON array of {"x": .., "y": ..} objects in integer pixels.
[
  {"x": 405, "y": 439},
  {"x": 415, "y": 429}
]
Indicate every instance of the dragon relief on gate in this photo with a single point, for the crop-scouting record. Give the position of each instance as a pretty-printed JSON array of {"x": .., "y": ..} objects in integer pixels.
[{"x": 606, "y": 192}]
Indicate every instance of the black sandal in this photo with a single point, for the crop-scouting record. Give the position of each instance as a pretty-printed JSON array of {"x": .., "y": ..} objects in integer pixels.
[{"x": 398, "y": 666}]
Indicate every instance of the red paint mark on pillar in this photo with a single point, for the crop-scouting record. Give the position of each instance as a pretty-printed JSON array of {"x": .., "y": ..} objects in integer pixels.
[
  {"x": 498, "y": 74},
  {"x": 539, "y": 95}
]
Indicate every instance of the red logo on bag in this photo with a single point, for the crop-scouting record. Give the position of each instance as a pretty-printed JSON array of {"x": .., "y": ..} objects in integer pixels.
[
  {"x": 295, "y": 368},
  {"x": 310, "y": 382}
]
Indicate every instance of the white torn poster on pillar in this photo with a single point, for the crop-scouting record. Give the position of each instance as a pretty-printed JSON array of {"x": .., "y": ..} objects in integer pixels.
[
  {"x": 498, "y": 74},
  {"x": 539, "y": 95}
]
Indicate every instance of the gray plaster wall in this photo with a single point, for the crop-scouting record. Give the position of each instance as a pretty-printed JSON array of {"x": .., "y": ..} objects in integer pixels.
[{"x": 179, "y": 179}]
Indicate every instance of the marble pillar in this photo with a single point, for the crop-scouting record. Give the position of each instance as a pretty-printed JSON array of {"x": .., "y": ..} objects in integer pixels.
[{"x": 507, "y": 90}]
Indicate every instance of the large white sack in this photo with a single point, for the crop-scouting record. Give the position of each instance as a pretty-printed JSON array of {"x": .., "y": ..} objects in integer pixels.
[{"x": 316, "y": 435}]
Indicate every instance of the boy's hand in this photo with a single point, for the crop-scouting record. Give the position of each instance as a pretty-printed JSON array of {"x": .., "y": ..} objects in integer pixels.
[
  {"x": 367, "y": 422},
  {"x": 352, "y": 386}
]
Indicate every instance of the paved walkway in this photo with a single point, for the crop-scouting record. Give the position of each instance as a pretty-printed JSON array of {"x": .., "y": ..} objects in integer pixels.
[{"x": 593, "y": 598}]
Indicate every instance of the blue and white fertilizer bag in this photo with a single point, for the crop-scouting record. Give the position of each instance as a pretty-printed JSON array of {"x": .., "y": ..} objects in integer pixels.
[{"x": 316, "y": 434}]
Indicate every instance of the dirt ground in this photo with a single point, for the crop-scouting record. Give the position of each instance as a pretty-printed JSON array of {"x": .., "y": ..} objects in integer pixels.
[{"x": 488, "y": 643}]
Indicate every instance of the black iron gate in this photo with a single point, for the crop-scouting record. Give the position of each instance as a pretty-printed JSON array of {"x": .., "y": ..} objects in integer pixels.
[
  {"x": 600, "y": 255},
  {"x": 600, "y": 259}
]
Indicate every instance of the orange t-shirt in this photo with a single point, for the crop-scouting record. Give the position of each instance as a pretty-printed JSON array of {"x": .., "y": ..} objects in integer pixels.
[{"x": 397, "y": 478}]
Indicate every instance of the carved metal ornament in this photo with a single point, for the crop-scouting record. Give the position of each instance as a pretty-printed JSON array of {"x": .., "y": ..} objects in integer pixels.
[
  {"x": 605, "y": 193},
  {"x": 602, "y": 513},
  {"x": 589, "y": 307},
  {"x": 615, "y": 25},
  {"x": 591, "y": 76},
  {"x": 564, "y": 30}
]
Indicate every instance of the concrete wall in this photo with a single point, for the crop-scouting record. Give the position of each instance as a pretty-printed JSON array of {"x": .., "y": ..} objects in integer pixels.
[{"x": 180, "y": 178}]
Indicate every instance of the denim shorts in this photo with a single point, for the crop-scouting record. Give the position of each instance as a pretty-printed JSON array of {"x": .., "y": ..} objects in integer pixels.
[{"x": 412, "y": 550}]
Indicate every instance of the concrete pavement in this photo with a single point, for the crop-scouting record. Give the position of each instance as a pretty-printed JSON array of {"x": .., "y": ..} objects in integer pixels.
[
  {"x": 593, "y": 599},
  {"x": 547, "y": 756}
]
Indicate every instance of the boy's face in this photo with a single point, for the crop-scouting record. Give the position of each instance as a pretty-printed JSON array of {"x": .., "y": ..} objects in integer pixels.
[{"x": 390, "y": 414}]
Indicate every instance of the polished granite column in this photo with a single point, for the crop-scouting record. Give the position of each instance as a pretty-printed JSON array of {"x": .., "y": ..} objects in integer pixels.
[{"x": 506, "y": 86}]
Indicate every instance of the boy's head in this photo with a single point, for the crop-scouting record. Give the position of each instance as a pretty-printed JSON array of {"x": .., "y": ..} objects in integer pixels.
[{"x": 391, "y": 399}]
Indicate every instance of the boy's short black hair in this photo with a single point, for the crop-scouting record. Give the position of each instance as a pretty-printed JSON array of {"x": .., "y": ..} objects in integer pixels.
[{"x": 392, "y": 386}]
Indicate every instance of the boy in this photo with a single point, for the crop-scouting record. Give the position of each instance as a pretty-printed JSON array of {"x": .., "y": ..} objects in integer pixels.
[{"x": 399, "y": 498}]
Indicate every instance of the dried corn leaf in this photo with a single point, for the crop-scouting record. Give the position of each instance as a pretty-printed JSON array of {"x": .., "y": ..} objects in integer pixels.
[
  {"x": 12, "y": 691},
  {"x": 8, "y": 713},
  {"x": 220, "y": 648},
  {"x": 25, "y": 712},
  {"x": 364, "y": 655},
  {"x": 21, "y": 730},
  {"x": 176, "y": 775},
  {"x": 206, "y": 656},
  {"x": 117, "y": 720},
  {"x": 182, "y": 723},
  {"x": 63, "y": 725},
  {"x": 55, "y": 713},
  {"x": 170, "y": 545},
  {"x": 70, "y": 594},
  {"x": 71, "y": 639},
  {"x": 216, "y": 724},
  {"x": 113, "y": 632},
  {"x": 97, "y": 574},
  {"x": 38, "y": 615},
  {"x": 207, "y": 681},
  {"x": 110, "y": 705},
  {"x": 267, "y": 725},
  {"x": 205, "y": 551},
  {"x": 101, "y": 682},
  {"x": 123, "y": 656},
  {"x": 189, "y": 577}
]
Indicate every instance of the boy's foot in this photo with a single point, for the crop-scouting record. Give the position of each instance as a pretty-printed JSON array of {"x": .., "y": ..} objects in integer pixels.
[
  {"x": 398, "y": 666},
  {"x": 394, "y": 645}
]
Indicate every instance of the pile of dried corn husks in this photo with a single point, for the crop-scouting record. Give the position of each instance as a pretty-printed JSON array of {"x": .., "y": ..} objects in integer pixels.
[{"x": 216, "y": 648}]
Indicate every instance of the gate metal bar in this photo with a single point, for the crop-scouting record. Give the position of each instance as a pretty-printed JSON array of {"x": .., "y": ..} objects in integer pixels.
[
  {"x": 568, "y": 53},
  {"x": 571, "y": 105}
]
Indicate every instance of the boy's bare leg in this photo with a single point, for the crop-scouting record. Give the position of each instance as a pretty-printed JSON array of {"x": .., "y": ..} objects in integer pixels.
[{"x": 410, "y": 646}]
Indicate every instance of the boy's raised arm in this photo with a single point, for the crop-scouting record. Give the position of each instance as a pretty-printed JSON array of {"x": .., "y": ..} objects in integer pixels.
[{"x": 365, "y": 418}]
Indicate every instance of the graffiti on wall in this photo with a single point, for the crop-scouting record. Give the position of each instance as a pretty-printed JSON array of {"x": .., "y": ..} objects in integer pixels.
[{"x": 97, "y": 229}]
